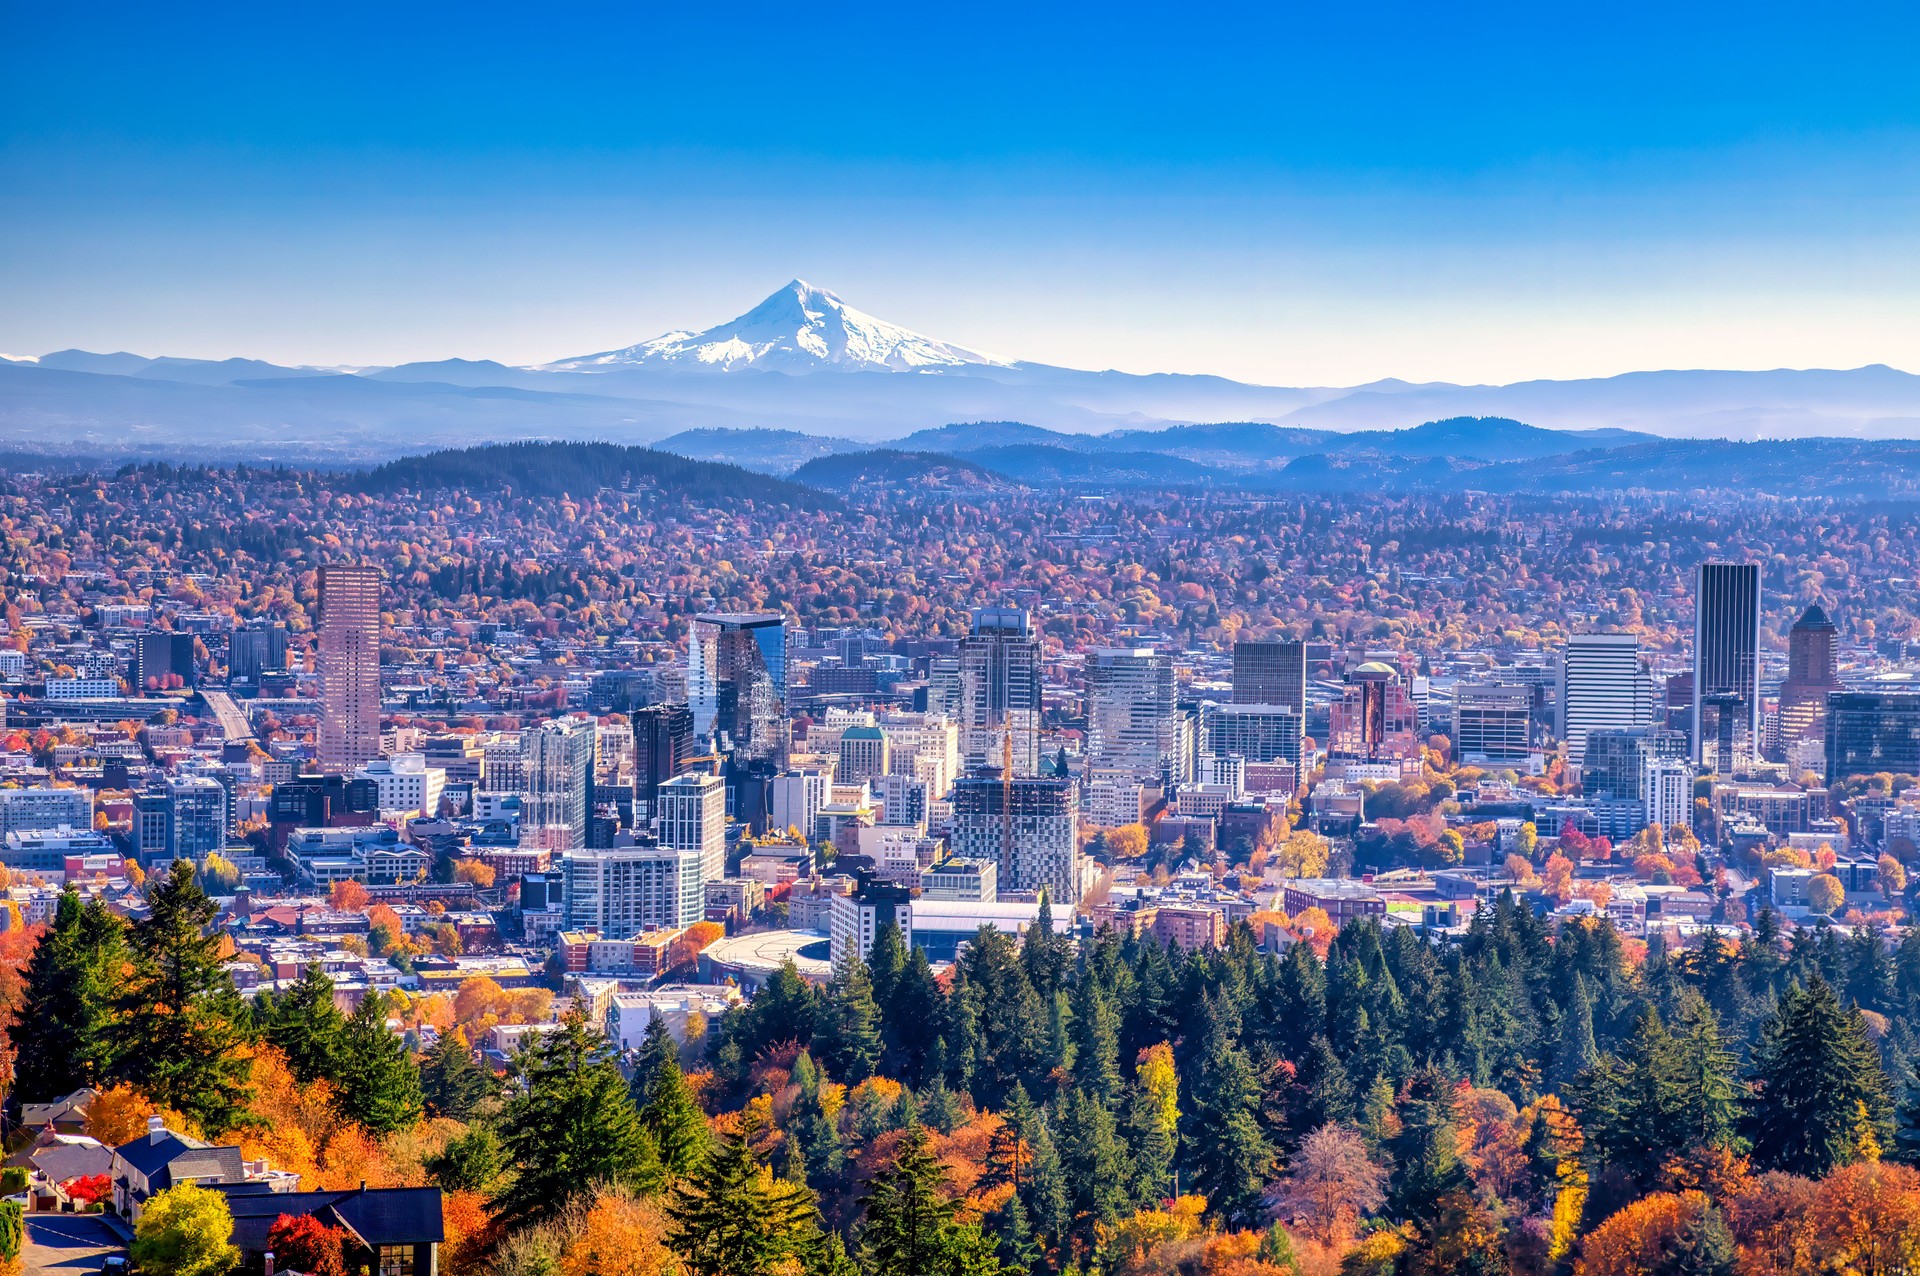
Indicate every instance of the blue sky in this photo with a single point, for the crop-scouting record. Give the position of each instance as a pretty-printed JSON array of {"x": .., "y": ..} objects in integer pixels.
[{"x": 1284, "y": 194}]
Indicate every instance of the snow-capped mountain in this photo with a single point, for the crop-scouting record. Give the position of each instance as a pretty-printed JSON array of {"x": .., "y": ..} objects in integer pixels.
[{"x": 800, "y": 328}]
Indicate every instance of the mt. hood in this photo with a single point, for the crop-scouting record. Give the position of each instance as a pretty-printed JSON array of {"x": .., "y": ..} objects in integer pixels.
[{"x": 800, "y": 328}]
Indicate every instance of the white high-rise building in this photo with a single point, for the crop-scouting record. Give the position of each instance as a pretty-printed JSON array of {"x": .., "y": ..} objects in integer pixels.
[
  {"x": 405, "y": 783},
  {"x": 624, "y": 892},
  {"x": 1606, "y": 683},
  {"x": 558, "y": 759},
  {"x": 1668, "y": 792},
  {"x": 692, "y": 826},
  {"x": 797, "y": 798}
]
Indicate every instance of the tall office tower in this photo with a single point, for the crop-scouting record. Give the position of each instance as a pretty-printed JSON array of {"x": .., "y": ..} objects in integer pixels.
[
  {"x": 662, "y": 748},
  {"x": 44, "y": 810},
  {"x": 558, "y": 758},
  {"x": 1374, "y": 719},
  {"x": 944, "y": 695},
  {"x": 1492, "y": 722},
  {"x": 1029, "y": 827},
  {"x": 259, "y": 648},
  {"x": 1132, "y": 720},
  {"x": 1607, "y": 686},
  {"x": 1000, "y": 690},
  {"x": 1252, "y": 732},
  {"x": 624, "y": 891},
  {"x": 925, "y": 746},
  {"x": 162, "y": 660},
  {"x": 796, "y": 800},
  {"x": 693, "y": 829},
  {"x": 737, "y": 683},
  {"x": 1869, "y": 732},
  {"x": 183, "y": 818},
  {"x": 349, "y": 667},
  {"x": 1726, "y": 665},
  {"x": 1271, "y": 673},
  {"x": 1667, "y": 789},
  {"x": 1813, "y": 661}
]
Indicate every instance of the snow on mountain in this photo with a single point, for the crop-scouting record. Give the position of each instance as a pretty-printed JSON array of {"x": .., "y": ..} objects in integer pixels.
[{"x": 800, "y": 328}]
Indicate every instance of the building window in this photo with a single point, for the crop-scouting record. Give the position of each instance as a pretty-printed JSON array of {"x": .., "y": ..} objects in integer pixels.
[{"x": 396, "y": 1260}]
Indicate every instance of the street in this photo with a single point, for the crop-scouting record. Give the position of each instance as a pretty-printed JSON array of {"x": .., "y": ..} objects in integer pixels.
[{"x": 67, "y": 1243}]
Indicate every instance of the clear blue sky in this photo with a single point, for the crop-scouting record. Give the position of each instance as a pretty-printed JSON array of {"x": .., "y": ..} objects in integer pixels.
[{"x": 1293, "y": 195}]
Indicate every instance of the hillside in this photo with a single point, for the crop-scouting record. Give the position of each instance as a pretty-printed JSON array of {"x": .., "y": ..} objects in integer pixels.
[
  {"x": 577, "y": 469},
  {"x": 889, "y": 467}
]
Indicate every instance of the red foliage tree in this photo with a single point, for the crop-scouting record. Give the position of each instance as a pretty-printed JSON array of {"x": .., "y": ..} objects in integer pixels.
[{"x": 301, "y": 1242}]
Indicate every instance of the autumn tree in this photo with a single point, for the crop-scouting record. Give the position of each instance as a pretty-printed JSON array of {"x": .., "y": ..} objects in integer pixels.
[
  {"x": 185, "y": 1230},
  {"x": 1333, "y": 1182}
]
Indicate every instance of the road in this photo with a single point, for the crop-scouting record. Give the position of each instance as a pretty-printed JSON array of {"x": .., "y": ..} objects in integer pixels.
[
  {"x": 66, "y": 1244},
  {"x": 232, "y": 718}
]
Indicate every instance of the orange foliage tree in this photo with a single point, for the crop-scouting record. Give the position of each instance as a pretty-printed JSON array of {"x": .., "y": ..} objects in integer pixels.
[{"x": 1632, "y": 1241}]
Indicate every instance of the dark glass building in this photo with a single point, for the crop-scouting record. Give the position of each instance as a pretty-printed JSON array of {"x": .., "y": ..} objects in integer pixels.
[
  {"x": 1871, "y": 731},
  {"x": 662, "y": 748},
  {"x": 1726, "y": 664}
]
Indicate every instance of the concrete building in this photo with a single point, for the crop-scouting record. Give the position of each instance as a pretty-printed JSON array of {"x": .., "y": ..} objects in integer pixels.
[
  {"x": 38, "y": 810},
  {"x": 1000, "y": 690},
  {"x": 405, "y": 783},
  {"x": 1606, "y": 687},
  {"x": 349, "y": 667},
  {"x": 1492, "y": 723},
  {"x": 557, "y": 774},
  {"x": 1028, "y": 826},
  {"x": 1132, "y": 720}
]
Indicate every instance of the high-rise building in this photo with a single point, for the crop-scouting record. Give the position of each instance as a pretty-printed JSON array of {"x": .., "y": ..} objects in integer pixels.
[
  {"x": 162, "y": 660},
  {"x": 1813, "y": 660},
  {"x": 1253, "y": 732},
  {"x": 1030, "y": 827},
  {"x": 737, "y": 683},
  {"x": 257, "y": 649},
  {"x": 1607, "y": 687},
  {"x": 1726, "y": 665},
  {"x": 1616, "y": 759},
  {"x": 558, "y": 759},
  {"x": 1271, "y": 673},
  {"x": 1374, "y": 719},
  {"x": 694, "y": 831},
  {"x": 623, "y": 892},
  {"x": 349, "y": 667},
  {"x": 184, "y": 817},
  {"x": 1132, "y": 716},
  {"x": 796, "y": 799},
  {"x": 1667, "y": 787},
  {"x": 1000, "y": 690},
  {"x": 662, "y": 747},
  {"x": 43, "y": 810},
  {"x": 1872, "y": 731},
  {"x": 1492, "y": 722}
]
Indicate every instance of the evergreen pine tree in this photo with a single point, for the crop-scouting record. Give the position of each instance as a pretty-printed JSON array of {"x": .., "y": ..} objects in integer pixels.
[
  {"x": 451, "y": 1083},
  {"x": 62, "y": 1034},
  {"x": 470, "y": 1162},
  {"x": 304, "y": 1023},
  {"x": 909, "y": 1227},
  {"x": 1575, "y": 1050},
  {"x": 182, "y": 1028},
  {"x": 1330, "y": 1097},
  {"x": 1224, "y": 1148},
  {"x": 1703, "y": 1247},
  {"x": 1150, "y": 1149},
  {"x": 940, "y": 1108},
  {"x": 1426, "y": 1151},
  {"x": 736, "y": 1219},
  {"x": 376, "y": 1081},
  {"x": 1044, "y": 953},
  {"x": 657, "y": 1048},
  {"x": 1815, "y": 1071},
  {"x": 675, "y": 1122},
  {"x": 1095, "y": 1033},
  {"x": 915, "y": 1015},
  {"x": 811, "y": 1134},
  {"x": 1098, "y": 1173},
  {"x": 572, "y": 1126},
  {"x": 848, "y": 1038}
]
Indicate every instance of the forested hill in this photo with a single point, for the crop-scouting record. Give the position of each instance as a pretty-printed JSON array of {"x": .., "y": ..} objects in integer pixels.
[{"x": 565, "y": 468}]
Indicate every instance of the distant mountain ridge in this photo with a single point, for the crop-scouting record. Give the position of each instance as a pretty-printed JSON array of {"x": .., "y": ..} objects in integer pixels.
[{"x": 805, "y": 362}]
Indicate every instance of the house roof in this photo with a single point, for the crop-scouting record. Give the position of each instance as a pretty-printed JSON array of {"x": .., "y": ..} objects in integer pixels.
[
  {"x": 175, "y": 1158},
  {"x": 377, "y": 1215}
]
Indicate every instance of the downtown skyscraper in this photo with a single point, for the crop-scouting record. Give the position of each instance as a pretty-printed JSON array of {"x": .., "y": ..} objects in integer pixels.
[
  {"x": 1726, "y": 665},
  {"x": 349, "y": 667},
  {"x": 1000, "y": 690}
]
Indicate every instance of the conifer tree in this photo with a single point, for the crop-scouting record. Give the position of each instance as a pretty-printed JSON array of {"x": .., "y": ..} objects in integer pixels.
[
  {"x": 1095, "y": 1163},
  {"x": 1095, "y": 1034},
  {"x": 737, "y": 1219},
  {"x": 1150, "y": 1149},
  {"x": 1815, "y": 1072},
  {"x": 674, "y": 1121},
  {"x": 1043, "y": 953},
  {"x": 909, "y": 1227},
  {"x": 182, "y": 1028},
  {"x": 572, "y": 1126},
  {"x": 376, "y": 1080},
  {"x": 451, "y": 1083},
  {"x": 812, "y": 1136},
  {"x": 1575, "y": 1050},
  {"x": 657, "y": 1048},
  {"x": 304, "y": 1023},
  {"x": 470, "y": 1162},
  {"x": 63, "y": 1032},
  {"x": 848, "y": 1038},
  {"x": 1426, "y": 1152},
  {"x": 1330, "y": 1096},
  {"x": 1227, "y": 1154}
]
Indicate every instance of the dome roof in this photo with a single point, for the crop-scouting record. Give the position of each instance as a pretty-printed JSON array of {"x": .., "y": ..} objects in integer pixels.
[{"x": 1375, "y": 668}]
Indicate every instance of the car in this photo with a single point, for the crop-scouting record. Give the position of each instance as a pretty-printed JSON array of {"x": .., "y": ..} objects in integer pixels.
[{"x": 116, "y": 1265}]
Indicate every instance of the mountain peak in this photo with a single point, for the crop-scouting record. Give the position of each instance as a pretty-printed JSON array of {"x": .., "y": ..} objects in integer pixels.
[{"x": 798, "y": 328}]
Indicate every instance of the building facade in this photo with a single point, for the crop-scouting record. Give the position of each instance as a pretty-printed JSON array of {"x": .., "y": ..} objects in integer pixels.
[{"x": 349, "y": 667}]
